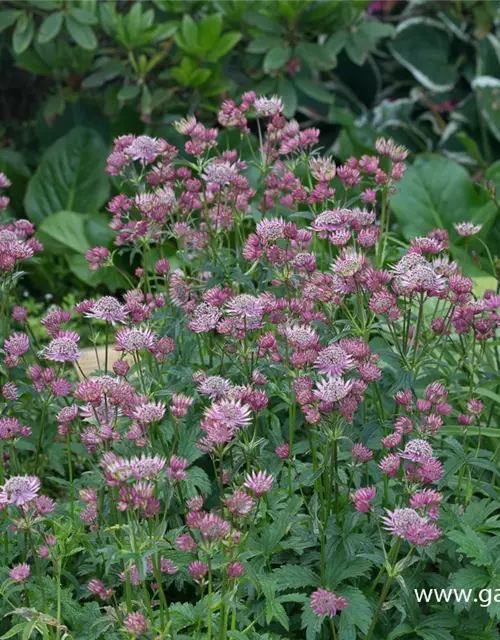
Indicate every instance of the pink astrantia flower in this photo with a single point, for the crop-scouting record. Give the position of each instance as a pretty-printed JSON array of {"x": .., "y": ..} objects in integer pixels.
[
  {"x": 20, "y": 573},
  {"x": 417, "y": 450},
  {"x": 333, "y": 360},
  {"x": 198, "y": 570},
  {"x": 240, "y": 503},
  {"x": 332, "y": 389},
  {"x": 17, "y": 344},
  {"x": 19, "y": 490},
  {"x": 467, "y": 228},
  {"x": 326, "y": 603},
  {"x": 136, "y": 623},
  {"x": 108, "y": 308},
  {"x": 259, "y": 482},
  {"x": 64, "y": 348},
  {"x": 408, "y": 524},
  {"x": 362, "y": 498}
]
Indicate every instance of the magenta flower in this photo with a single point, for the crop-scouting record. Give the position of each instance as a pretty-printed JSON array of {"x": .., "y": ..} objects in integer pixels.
[
  {"x": 240, "y": 503},
  {"x": 332, "y": 389},
  {"x": 19, "y": 490},
  {"x": 360, "y": 453},
  {"x": 64, "y": 348},
  {"x": 132, "y": 339},
  {"x": 149, "y": 412},
  {"x": 362, "y": 498},
  {"x": 198, "y": 570},
  {"x": 136, "y": 624},
  {"x": 20, "y": 572},
  {"x": 235, "y": 570},
  {"x": 333, "y": 360},
  {"x": 283, "y": 451},
  {"x": 245, "y": 306},
  {"x": 108, "y": 308},
  {"x": 326, "y": 603},
  {"x": 213, "y": 527},
  {"x": 146, "y": 467},
  {"x": 231, "y": 413},
  {"x": 390, "y": 465},
  {"x": 408, "y": 524},
  {"x": 186, "y": 543},
  {"x": 177, "y": 468},
  {"x": 17, "y": 344},
  {"x": 259, "y": 482},
  {"x": 417, "y": 450},
  {"x": 214, "y": 386}
]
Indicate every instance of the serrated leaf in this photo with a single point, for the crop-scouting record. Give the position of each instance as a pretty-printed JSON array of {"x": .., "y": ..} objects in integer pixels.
[
  {"x": 472, "y": 545},
  {"x": 358, "y": 612},
  {"x": 290, "y": 576}
]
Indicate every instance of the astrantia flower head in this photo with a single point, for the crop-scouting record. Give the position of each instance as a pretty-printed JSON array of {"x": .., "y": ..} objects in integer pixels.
[
  {"x": 17, "y": 344},
  {"x": 362, "y": 498},
  {"x": 326, "y": 603},
  {"x": 214, "y": 386},
  {"x": 146, "y": 467},
  {"x": 240, "y": 503},
  {"x": 108, "y": 308},
  {"x": 333, "y": 360},
  {"x": 19, "y": 490},
  {"x": 259, "y": 482},
  {"x": 360, "y": 453},
  {"x": 219, "y": 172},
  {"x": 301, "y": 336},
  {"x": 20, "y": 573},
  {"x": 149, "y": 412},
  {"x": 245, "y": 306},
  {"x": 131, "y": 339},
  {"x": 270, "y": 230},
  {"x": 231, "y": 413},
  {"x": 467, "y": 228},
  {"x": 408, "y": 524},
  {"x": 136, "y": 624},
  {"x": 198, "y": 570},
  {"x": 235, "y": 570},
  {"x": 213, "y": 527},
  {"x": 268, "y": 106},
  {"x": 205, "y": 318},
  {"x": 332, "y": 389},
  {"x": 144, "y": 148},
  {"x": 64, "y": 348},
  {"x": 177, "y": 468},
  {"x": 417, "y": 450}
]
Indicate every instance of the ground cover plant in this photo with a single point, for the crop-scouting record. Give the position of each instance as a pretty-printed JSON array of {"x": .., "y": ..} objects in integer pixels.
[{"x": 293, "y": 418}]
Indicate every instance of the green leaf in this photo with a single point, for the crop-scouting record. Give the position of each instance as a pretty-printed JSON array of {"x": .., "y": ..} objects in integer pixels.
[
  {"x": 472, "y": 545},
  {"x": 50, "y": 27},
  {"x": 261, "y": 44},
  {"x": 276, "y": 58},
  {"x": 82, "y": 16},
  {"x": 336, "y": 42},
  {"x": 311, "y": 622},
  {"x": 358, "y": 612},
  {"x": 23, "y": 34},
  {"x": 189, "y": 32},
  {"x": 82, "y": 34},
  {"x": 209, "y": 30},
  {"x": 437, "y": 192},
  {"x": 63, "y": 231},
  {"x": 487, "y": 91},
  {"x": 365, "y": 38},
  {"x": 291, "y": 576},
  {"x": 469, "y": 578},
  {"x": 423, "y": 47},
  {"x": 264, "y": 23},
  {"x": 7, "y": 18},
  {"x": 312, "y": 88},
  {"x": 224, "y": 46},
  {"x": 287, "y": 91},
  {"x": 70, "y": 176},
  {"x": 129, "y": 92}
]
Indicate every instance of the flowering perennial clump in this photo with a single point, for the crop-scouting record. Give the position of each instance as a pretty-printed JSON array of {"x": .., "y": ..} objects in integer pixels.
[{"x": 290, "y": 412}]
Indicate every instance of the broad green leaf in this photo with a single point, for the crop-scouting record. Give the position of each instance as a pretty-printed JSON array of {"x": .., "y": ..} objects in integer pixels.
[
  {"x": 423, "y": 46},
  {"x": 261, "y": 44},
  {"x": 129, "y": 92},
  {"x": 7, "y": 18},
  {"x": 50, "y": 27},
  {"x": 82, "y": 16},
  {"x": 276, "y": 58},
  {"x": 189, "y": 32},
  {"x": 291, "y": 576},
  {"x": 209, "y": 30},
  {"x": 63, "y": 231},
  {"x": 82, "y": 34},
  {"x": 437, "y": 192},
  {"x": 225, "y": 44},
  {"x": 487, "y": 91},
  {"x": 364, "y": 39},
  {"x": 70, "y": 176},
  {"x": 287, "y": 91},
  {"x": 313, "y": 88},
  {"x": 262, "y": 22},
  {"x": 23, "y": 34}
]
